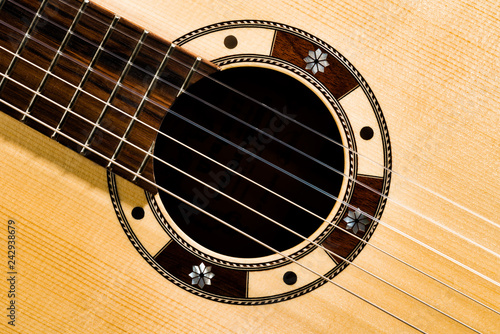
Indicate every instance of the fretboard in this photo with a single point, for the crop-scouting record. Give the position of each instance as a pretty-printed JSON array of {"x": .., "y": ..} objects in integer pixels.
[{"x": 91, "y": 80}]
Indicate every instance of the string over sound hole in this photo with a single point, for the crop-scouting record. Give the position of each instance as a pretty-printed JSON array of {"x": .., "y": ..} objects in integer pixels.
[{"x": 255, "y": 152}]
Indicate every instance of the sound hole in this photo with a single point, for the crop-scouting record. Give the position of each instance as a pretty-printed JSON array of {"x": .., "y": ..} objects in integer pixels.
[{"x": 258, "y": 157}]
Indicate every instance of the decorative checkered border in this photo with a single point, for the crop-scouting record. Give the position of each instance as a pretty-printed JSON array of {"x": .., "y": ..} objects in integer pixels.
[{"x": 353, "y": 158}]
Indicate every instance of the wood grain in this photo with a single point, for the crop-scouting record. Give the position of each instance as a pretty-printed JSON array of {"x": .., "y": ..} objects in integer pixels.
[{"x": 434, "y": 69}]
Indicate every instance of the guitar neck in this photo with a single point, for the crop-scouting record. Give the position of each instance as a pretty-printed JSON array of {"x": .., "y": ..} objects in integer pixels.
[{"x": 59, "y": 77}]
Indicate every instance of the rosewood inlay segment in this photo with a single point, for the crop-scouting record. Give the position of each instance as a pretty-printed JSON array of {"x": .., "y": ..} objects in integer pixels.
[
  {"x": 341, "y": 242},
  {"x": 101, "y": 80},
  {"x": 294, "y": 49},
  {"x": 178, "y": 261}
]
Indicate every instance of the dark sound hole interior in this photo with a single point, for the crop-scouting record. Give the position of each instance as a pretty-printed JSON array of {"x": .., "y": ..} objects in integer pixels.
[{"x": 263, "y": 160}]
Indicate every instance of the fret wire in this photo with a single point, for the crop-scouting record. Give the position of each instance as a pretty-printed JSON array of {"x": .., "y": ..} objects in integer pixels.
[
  {"x": 144, "y": 161},
  {"x": 144, "y": 98},
  {"x": 21, "y": 46},
  {"x": 75, "y": 96},
  {"x": 156, "y": 76},
  {"x": 57, "y": 56},
  {"x": 226, "y": 224},
  {"x": 346, "y": 231},
  {"x": 193, "y": 68},
  {"x": 115, "y": 89}
]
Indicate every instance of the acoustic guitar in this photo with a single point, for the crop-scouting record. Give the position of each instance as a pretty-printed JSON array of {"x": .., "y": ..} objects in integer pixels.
[{"x": 249, "y": 166}]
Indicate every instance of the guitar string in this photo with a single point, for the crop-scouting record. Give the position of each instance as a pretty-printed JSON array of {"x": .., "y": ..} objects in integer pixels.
[
  {"x": 356, "y": 181},
  {"x": 243, "y": 205},
  {"x": 161, "y": 106},
  {"x": 236, "y": 201},
  {"x": 378, "y": 164},
  {"x": 454, "y": 203},
  {"x": 9, "y": 51},
  {"x": 108, "y": 78},
  {"x": 216, "y": 218},
  {"x": 91, "y": 122},
  {"x": 299, "y": 235},
  {"x": 317, "y": 161},
  {"x": 406, "y": 207},
  {"x": 300, "y": 152}
]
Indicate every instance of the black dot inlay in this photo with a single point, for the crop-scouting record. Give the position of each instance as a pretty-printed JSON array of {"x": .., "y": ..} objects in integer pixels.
[
  {"x": 366, "y": 133},
  {"x": 290, "y": 278},
  {"x": 230, "y": 42},
  {"x": 138, "y": 213}
]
